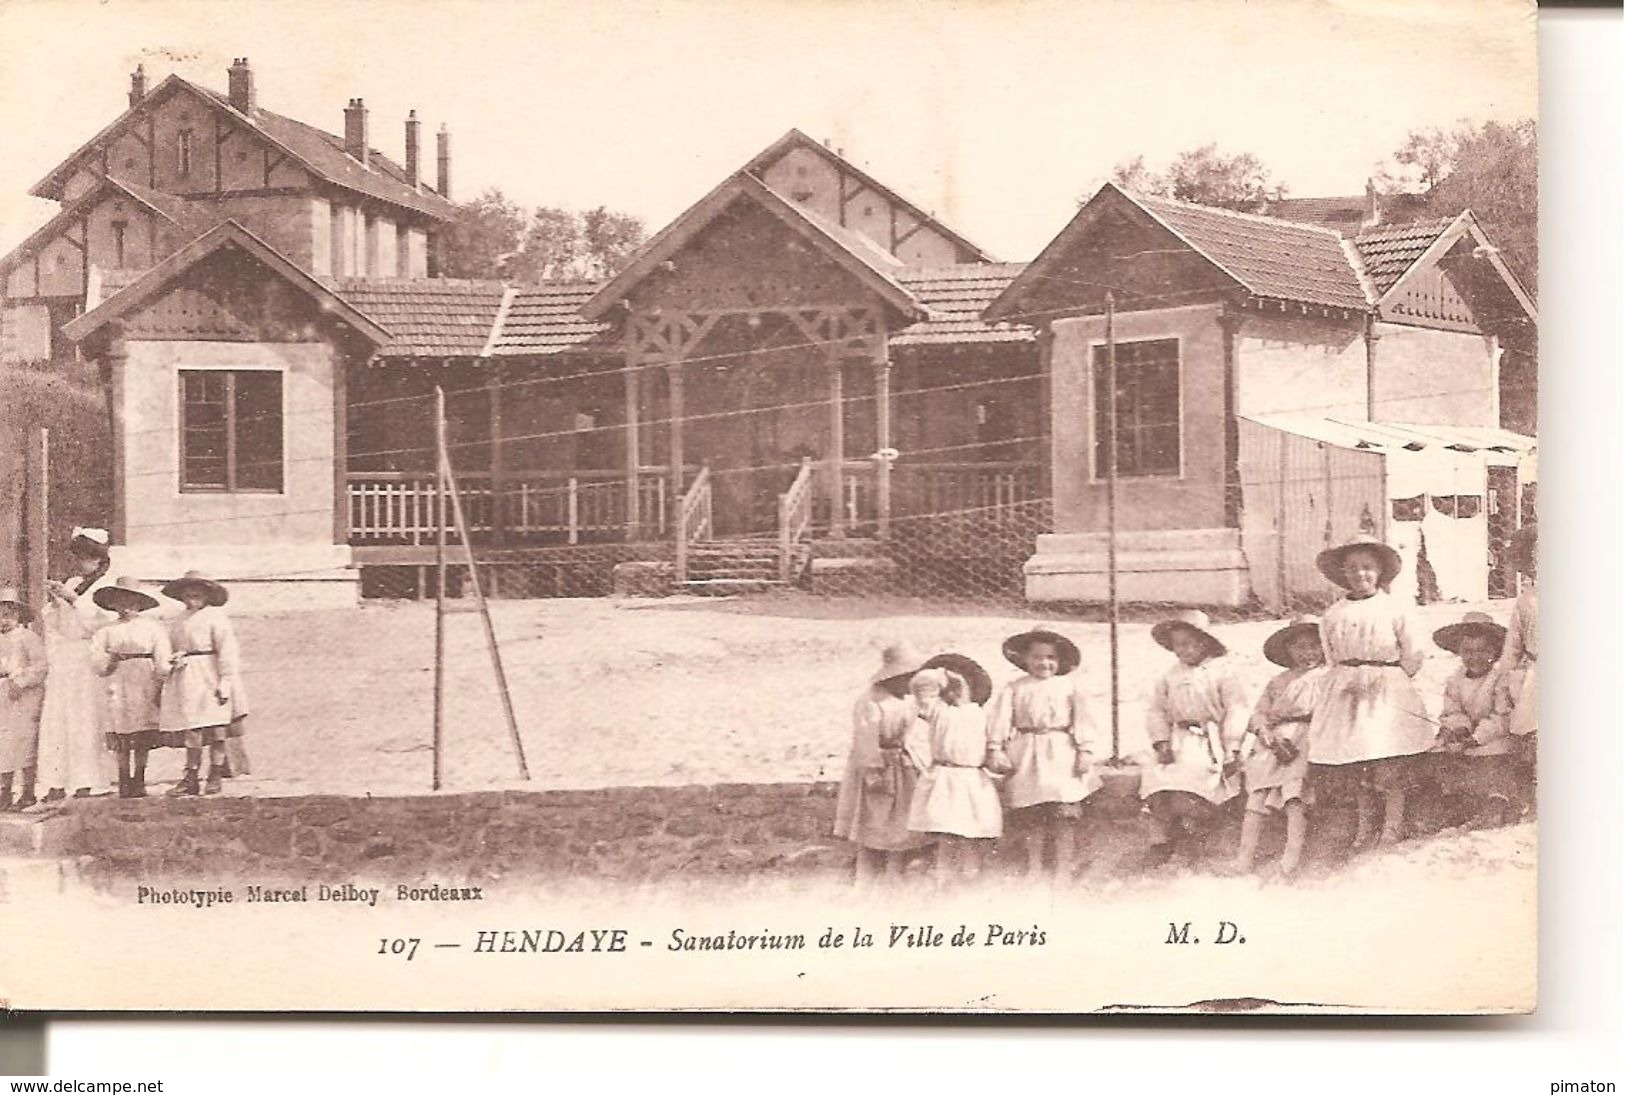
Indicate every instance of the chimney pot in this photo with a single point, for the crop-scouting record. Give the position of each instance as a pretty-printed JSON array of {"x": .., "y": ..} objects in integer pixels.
[
  {"x": 138, "y": 84},
  {"x": 413, "y": 127},
  {"x": 443, "y": 146},
  {"x": 355, "y": 131},
  {"x": 240, "y": 86}
]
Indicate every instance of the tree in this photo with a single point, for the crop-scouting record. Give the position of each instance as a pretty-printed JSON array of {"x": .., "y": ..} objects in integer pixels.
[
  {"x": 552, "y": 246},
  {"x": 1492, "y": 169},
  {"x": 1205, "y": 176},
  {"x": 484, "y": 238},
  {"x": 494, "y": 238},
  {"x": 609, "y": 239}
]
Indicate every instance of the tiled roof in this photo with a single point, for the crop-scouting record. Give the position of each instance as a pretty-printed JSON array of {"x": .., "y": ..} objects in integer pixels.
[
  {"x": 447, "y": 318},
  {"x": 427, "y": 317},
  {"x": 324, "y": 154},
  {"x": 1389, "y": 251},
  {"x": 178, "y": 210},
  {"x": 956, "y": 296},
  {"x": 1271, "y": 258},
  {"x": 546, "y": 319}
]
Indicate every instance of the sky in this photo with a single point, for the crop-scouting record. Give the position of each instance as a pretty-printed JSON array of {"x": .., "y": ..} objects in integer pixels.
[{"x": 997, "y": 115}]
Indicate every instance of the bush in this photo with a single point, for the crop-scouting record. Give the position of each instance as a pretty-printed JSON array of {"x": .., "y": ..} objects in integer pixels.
[{"x": 69, "y": 401}]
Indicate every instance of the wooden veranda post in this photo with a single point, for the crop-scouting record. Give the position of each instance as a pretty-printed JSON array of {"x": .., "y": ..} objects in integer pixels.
[
  {"x": 883, "y": 459},
  {"x": 499, "y": 496},
  {"x": 674, "y": 380},
  {"x": 1111, "y": 511},
  {"x": 837, "y": 448},
  {"x": 633, "y": 456}
]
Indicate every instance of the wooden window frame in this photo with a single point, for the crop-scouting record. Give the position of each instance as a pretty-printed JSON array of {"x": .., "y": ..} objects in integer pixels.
[
  {"x": 230, "y": 486},
  {"x": 1095, "y": 379}
]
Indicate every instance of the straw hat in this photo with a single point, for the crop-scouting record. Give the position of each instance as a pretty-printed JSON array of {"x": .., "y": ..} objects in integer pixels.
[
  {"x": 123, "y": 593},
  {"x": 1330, "y": 561},
  {"x": 1015, "y": 648},
  {"x": 1450, "y": 636},
  {"x": 214, "y": 592},
  {"x": 90, "y": 542},
  {"x": 1193, "y": 621},
  {"x": 900, "y": 659},
  {"x": 1277, "y": 645},
  {"x": 978, "y": 684},
  {"x": 10, "y": 596}
]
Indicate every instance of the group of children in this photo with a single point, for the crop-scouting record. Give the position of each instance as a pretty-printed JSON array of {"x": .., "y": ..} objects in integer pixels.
[
  {"x": 1342, "y": 717},
  {"x": 114, "y": 678}
]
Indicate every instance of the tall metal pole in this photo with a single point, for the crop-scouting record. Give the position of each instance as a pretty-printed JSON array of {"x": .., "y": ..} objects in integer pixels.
[
  {"x": 1111, "y": 506},
  {"x": 440, "y": 464}
]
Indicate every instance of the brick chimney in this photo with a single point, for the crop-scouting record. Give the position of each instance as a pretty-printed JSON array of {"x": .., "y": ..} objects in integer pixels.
[
  {"x": 138, "y": 85},
  {"x": 1373, "y": 205},
  {"x": 240, "y": 86},
  {"x": 355, "y": 131},
  {"x": 443, "y": 146},
  {"x": 413, "y": 128}
]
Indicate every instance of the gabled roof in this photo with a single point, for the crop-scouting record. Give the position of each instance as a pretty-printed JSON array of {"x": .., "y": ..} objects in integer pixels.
[
  {"x": 797, "y": 139},
  {"x": 319, "y": 152},
  {"x": 427, "y": 317},
  {"x": 226, "y": 236},
  {"x": 1392, "y": 254},
  {"x": 956, "y": 297},
  {"x": 1388, "y": 251},
  {"x": 1262, "y": 256},
  {"x": 874, "y": 268},
  {"x": 177, "y": 211},
  {"x": 547, "y": 319},
  {"x": 1269, "y": 257}
]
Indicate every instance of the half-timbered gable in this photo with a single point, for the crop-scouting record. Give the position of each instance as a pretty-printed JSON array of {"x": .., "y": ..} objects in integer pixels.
[{"x": 815, "y": 176}]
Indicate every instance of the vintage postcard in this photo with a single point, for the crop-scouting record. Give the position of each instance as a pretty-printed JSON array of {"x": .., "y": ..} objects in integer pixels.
[{"x": 766, "y": 506}]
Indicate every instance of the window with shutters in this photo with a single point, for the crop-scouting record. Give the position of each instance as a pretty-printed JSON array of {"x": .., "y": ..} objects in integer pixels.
[
  {"x": 1147, "y": 408},
  {"x": 231, "y": 430}
]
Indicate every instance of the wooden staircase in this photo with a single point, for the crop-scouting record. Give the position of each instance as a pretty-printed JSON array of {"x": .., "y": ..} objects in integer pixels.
[{"x": 743, "y": 564}]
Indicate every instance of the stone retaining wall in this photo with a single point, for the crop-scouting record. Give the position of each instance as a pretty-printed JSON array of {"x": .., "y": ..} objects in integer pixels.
[{"x": 632, "y": 834}]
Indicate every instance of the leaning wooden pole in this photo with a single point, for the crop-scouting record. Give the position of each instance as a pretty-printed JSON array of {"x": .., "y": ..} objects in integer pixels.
[
  {"x": 440, "y": 465},
  {"x": 1111, "y": 510},
  {"x": 450, "y": 479}
]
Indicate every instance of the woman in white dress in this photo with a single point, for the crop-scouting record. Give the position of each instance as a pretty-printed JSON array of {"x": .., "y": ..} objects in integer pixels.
[{"x": 73, "y": 753}]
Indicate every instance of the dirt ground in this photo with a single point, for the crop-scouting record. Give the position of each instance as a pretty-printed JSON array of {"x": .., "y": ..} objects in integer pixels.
[{"x": 612, "y": 692}]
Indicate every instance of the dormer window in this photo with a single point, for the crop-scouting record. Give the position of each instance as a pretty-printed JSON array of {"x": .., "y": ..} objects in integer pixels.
[{"x": 183, "y": 152}]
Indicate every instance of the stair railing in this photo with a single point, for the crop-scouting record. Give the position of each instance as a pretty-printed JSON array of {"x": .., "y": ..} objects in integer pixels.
[
  {"x": 693, "y": 518},
  {"x": 795, "y": 516}
]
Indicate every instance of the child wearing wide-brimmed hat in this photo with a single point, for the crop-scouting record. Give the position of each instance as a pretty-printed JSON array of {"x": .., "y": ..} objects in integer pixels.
[
  {"x": 1370, "y": 723},
  {"x": 205, "y": 670},
  {"x": 1045, "y": 740},
  {"x": 1196, "y": 720},
  {"x": 134, "y": 655},
  {"x": 1275, "y": 764},
  {"x": 877, "y": 790},
  {"x": 22, "y": 681},
  {"x": 957, "y": 800},
  {"x": 1474, "y": 740}
]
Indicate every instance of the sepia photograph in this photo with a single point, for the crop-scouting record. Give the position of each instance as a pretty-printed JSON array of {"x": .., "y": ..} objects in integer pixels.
[{"x": 545, "y": 507}]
